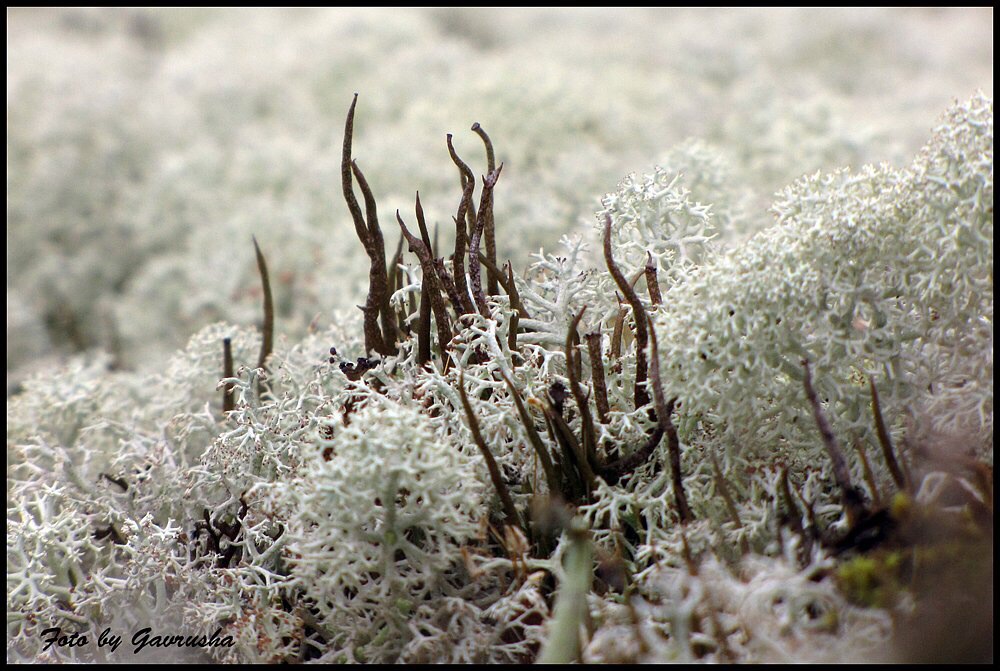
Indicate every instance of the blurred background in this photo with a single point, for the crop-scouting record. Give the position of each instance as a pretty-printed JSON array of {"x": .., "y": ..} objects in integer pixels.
[{"x": 145, "y": 147}]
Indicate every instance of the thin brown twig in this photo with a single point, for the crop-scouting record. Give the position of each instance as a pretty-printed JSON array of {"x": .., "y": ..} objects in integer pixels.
[
  {"x": 664, "y": 415},
  {"x": 424, "y": 326},
  {"x": 267, "y": 328},
  {"x": 422, "y": 224},
  {"x": 573, "y": 372},
  {"x": 841, "y": 473},
  {"x": 449, "y": 285},
  {"x": 597, "y": 375},
  {"x": 515, "y": 297},
  {"x": 573, "y": 454},
  {"x": 227, "y": 372},
  {"x": 639, "y": 317},
  {"x": 727, "y": 498},
  {"x": 508, "y": 504},
  {"x": 614, "y": 471},
  {"x": 885, "y": 441},
  {"x": 869, "y": 475},
  {"x": 536, "y": 440}
]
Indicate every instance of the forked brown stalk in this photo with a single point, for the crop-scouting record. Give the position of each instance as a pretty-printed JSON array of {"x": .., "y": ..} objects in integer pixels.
[
  {"x": 468, "y": 183},
  {"x": 638, "y": 314},
  {"x": 491, "y": 242},
  {"x": 464, "y": 223},
  {"x": 485, "y": 215},
  {"x": 377, "y": 281},
  {"x": 508, "y": 504},
  {"x": 418, "y": 247},
  {"x": 378, "y": 275}
]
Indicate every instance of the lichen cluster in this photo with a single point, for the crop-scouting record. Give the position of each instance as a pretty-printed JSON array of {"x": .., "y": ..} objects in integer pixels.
[{"x": 650, "y": 446}]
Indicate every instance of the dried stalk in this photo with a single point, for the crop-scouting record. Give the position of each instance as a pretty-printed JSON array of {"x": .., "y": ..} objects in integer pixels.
[
  {"x": 468, "y": 183},
  {"x": 485, "y": 215},
  {"x": 885, "y": 441},
  {"x": 727, "y": 498},
  {"x": 536, "y": 441},
  {"x": 424, "y": 326},
  {"x": 616, "y": 336},
  {"x": 434, "y": 284},
  {"x": 638, "y": 314},
  {"x": 573, "y": 371},
  {"x": 376, "y": 281},
  {"x": 227, "y": 371},
  {"x": 841, "y": 473},
  {"x": 573, "y": 454},
  {"x": 664, "y": 415},
  {"x": 508, "y": 504},
  {"x": 378, "y": 275},
  {"x": 597, "y": 375},
  {"x": 267, "y": 343},
  {"x": 869, "y": 475},
  {"x": 651, "y": 282},
  {"x": 491, "y": 243}
]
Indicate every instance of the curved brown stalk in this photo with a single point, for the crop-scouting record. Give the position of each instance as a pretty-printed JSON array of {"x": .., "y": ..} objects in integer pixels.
[
  {"x": 485, "y": 214},
  {"x": 378, "y": 275},
  {"x": 638, "y": 314},
  {"x": 267, "y": 342},
  {"x": 491, "y": 243},
  {"x": 468, "y": 182},
  {"x": 376, "y": 281}
]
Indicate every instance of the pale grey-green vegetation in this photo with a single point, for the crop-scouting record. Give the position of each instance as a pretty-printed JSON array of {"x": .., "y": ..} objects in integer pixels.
[{"x": 743, "y": 414}]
